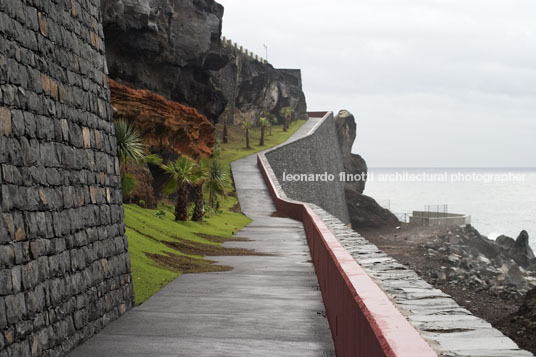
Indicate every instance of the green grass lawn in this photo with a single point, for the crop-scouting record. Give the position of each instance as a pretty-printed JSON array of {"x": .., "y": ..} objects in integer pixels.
[{"x": 162, "y": 249}]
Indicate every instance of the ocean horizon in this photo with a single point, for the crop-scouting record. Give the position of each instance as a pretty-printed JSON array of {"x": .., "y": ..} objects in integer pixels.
[{"x": 497, "y": 203}]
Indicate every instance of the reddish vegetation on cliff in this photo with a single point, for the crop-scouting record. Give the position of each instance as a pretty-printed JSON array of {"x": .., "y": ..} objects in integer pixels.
[{"x": 164, "y": 123}]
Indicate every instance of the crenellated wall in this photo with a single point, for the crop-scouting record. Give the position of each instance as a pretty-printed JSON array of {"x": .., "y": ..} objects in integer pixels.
[
  {"x": 318, "y": 152},
  {"x": 64, "y": 264}
]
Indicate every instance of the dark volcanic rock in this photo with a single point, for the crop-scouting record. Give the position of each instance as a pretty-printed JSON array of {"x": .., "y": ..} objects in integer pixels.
[
  {"x": 259, "y": 88},
  {"x": 505, "y": 242},
  {"x": 365, "y": 212},
  {"x": 521, "y": 251},
  {"x": 143, "y": 193},
  {"x": 353, "y": 163},
  {"x": 168, "y": 47}
]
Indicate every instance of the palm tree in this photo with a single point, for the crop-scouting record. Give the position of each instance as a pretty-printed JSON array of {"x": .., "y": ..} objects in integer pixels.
[
  {"x": 215, "y": 183},
  {"x": 246, "y": 126},
  {"x": 182, "y": 176},
  {"x": 129, "y": 142},
  {"x": 271, "y": 120},
  {"x": 129, "y": 148},
  {"x": 263, "y": 123},
  {"x": 286, "y": 112},
  {"x": 200, "y": 176}
]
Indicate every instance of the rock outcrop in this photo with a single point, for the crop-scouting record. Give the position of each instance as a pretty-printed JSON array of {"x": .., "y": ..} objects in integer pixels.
[
  {"x": 168, "y": 128},
  {"x": 143, "y": 193},
  {"x": 364, "y": 211},
  {"x": 353, "y": 163},
  {"x": 519, "y": 250},
  {"x": 257, "y": 87},
  {"x": 168, "y": 47}
]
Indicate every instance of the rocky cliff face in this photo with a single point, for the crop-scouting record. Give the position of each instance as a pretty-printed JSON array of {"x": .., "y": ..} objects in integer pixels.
[
  {"x": 258, "y": 87},
  {"x": 364, "y": 211},
  {"x": 168, "y": 47},
  {"x": 169, "y": 129}
]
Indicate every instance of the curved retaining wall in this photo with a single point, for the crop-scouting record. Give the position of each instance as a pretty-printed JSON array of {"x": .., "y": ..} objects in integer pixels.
[
  {"x": 64, "y": 265},
  {"x": 375, "y": 305},
  {"x": 363, "y": 321},
  {"x": 323, "y": 156}
]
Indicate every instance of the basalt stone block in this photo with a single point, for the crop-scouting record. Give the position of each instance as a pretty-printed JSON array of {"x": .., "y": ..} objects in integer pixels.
[
  {"x": 15, "y": 308},
  {"x": 6, "y": 286},
  {"x": 3, "y": 316}
]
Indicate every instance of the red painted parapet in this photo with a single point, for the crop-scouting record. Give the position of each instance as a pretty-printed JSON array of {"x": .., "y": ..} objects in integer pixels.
[
  {"x": 363, "y": 321},
  {"x": 316, "y": 114}
]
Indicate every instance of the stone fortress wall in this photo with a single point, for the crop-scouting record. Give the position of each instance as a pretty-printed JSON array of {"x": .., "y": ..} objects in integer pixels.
[
  {"x": 316, "y": 153},
  {"x": 64, "y": 264}
]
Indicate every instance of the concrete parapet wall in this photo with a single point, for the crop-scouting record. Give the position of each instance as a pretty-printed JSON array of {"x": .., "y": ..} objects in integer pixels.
[
  {"x": 316, "y": 153},
  {"x": 64, "y": 264},
  {"x": 439, "y": 219},
  {"x": 363, "y": 321},
  {"x": 376, "y": 306}
]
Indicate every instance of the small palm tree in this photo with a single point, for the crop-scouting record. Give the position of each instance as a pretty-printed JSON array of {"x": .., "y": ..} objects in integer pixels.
[
  {"x": 263, "y": 123},
  {"x": 200, "y": 176},
  {"x": 286, "y": 112},
  {"x": 129, "y": 142},
  {"x": 129, "y": 148},
  {"x": 182, "y": 176},
  {"x": 217, "y": 180},
  {"x": 271, "y": 121},
  {"x": 246, "y": 126}
]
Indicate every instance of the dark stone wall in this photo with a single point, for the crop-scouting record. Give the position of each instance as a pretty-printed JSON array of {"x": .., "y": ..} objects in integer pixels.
[
  {"x": 316, "y": 153},
  {"x": 64, "y": 265}
]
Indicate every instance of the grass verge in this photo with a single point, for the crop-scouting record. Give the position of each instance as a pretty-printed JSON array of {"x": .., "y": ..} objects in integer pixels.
[{"x": 162, "y": 249}]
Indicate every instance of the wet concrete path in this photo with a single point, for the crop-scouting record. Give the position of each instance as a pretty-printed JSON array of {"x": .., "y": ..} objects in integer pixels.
[{"x": 265, "y": 306}]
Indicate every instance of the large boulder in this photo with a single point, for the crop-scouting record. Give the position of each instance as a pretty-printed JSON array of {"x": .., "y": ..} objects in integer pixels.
[
  {"x": 518, "y": 250},
  {"x": 365, "y": 212},
  {"x": 521, "y": 251},
  {"x": 168, "y": 47}
]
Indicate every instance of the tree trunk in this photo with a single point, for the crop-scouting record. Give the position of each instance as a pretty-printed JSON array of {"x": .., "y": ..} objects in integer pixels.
[
  {"x": 181, "y": 207},
  {"x": 225, "y": 135},
  {"x": 199, "y": 209},
  {"x": 247, "y": 139},
  {"x": 285, "y": 124},
  {"x": 261, "y": 143}
]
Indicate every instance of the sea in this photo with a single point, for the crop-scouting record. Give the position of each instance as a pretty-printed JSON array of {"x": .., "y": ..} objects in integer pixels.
[{"x": 499, "y": 201}]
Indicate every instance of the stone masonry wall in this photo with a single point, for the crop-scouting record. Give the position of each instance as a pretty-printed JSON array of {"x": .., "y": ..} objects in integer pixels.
[
  {"x": 64, "y": 264},
  {"x": 315, "y": 153}
]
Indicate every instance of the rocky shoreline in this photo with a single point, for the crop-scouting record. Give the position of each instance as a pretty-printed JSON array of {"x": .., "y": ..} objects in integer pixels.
[{"x": 495, "y": 280}]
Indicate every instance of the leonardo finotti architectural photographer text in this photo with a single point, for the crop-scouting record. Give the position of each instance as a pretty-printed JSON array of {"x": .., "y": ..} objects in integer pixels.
[{"x": 404, "y": 176}]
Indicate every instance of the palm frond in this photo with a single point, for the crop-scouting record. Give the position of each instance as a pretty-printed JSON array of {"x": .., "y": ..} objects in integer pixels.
[{"x": 129, "y": 142}]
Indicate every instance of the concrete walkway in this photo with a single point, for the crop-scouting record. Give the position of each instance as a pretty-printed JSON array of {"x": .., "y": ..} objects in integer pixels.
[{"x": 265, "y": 306}]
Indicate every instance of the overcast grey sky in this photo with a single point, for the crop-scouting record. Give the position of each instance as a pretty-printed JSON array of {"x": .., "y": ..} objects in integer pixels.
[{"x": 432, "y": 83}]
